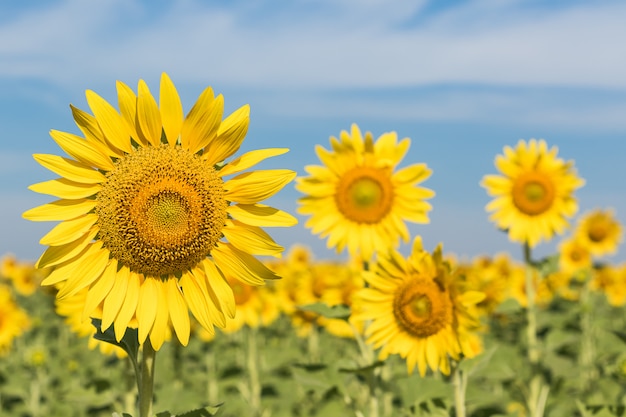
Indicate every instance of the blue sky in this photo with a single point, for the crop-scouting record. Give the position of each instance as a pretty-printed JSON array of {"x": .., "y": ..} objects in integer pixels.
[{"x": 462, "y": 79}]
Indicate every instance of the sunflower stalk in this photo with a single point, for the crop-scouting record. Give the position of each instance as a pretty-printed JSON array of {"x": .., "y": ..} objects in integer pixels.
[
  {"x": 538, "y": 390},
  {"x": 254, "y": 390},
  {"x": 212, "y": 385},
  {"x": 459, "y": 382},
  {"x": 146, "y": 379},
  {"x": 586, "y": 356}
]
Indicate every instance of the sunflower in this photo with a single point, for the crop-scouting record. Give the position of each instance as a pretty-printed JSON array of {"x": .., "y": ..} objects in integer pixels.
[
  {"x": 357, "y": 200},
  {"x": 150, "y": 222},
  {"x": 71, "y": 308},
  {"x": 416, "y": 309},
  {"x": 600, "y": 232},
  {"x": 574, "y": 256},
  {"x": 611, "y": 280},
  {"x": 535, "y": 195},
  {"x": 489, "y": 276},
  {"x": 24, "y": 277},
  {"x": 256, "y": 306},
  {"x": 13, "y": 320}
]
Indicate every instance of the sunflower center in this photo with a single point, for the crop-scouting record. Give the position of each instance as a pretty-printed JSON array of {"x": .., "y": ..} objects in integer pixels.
[
  {"x": 598, "y": 232},
  {"x": 533, "y": 193},
  {"x": 161, "y": 210},
  {"x": 364, "y": 194},
  {"x": 421, "y": 308}
]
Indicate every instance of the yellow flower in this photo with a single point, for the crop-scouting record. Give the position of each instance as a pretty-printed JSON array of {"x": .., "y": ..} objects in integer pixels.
[
  {"x": 612, "y": 281},
  {"x": 535, "y": 195},
  {"x": 23, "y": 275},
  {"x": 489, "y": 276},
  {"x": 256, "y": 306},
  {"x": 72, "y": 309},
  {"x": 357, "y": 200},
  {"x": 417, "y": 310},
  {"x": 151, "y": 219},
  {"x": 599, "y": 232},
  {"x": 574, "y": 256},
  {"x": 13, "y": 320},
  {"x": 517, "y": 286}
]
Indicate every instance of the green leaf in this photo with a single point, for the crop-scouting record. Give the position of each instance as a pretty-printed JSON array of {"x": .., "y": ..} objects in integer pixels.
[
  {"x": 363, "y": 369},
  {"x": 474, "y": 364},
  {"x": 209, "y": 410},
  {"x": 311, "y": 367},
  {"x": 121, "y": 415},
  {"x": 548, "y": 265},
  {"x": 129, "y": 342},
  {"x": 335, "y": 312}
]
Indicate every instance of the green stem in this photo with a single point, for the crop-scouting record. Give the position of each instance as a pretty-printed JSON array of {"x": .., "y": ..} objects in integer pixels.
[
  {"x": 253, "y": 372},
  {"x": 538, "y": 390},
  {"x": 531, "y": 313},
  {"x": 212, "y": 386},
  {"x": 131, "y": 381},
  {"x": 459, "y": 381},
  {"x": 586, "y": 358},
  {"x": 146, "y": 379},
  {"x": 313, "y": 344}
]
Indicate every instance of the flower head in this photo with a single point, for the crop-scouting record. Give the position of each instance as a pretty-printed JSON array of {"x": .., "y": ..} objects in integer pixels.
[
  {"x": 418, "y": 310},
  {"x": 357, "y": 200},
  {"x": 13, "y": 320},
  {"x": 535, "y": 195},
  {"x": 600, "y": 232},
  {"x": 151, "y": 220}
]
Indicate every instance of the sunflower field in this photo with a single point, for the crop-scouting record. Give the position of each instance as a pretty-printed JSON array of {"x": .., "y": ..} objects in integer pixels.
[{"x": 160, "y": 293}]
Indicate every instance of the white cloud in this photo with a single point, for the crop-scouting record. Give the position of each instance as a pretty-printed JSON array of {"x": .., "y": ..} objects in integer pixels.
[{"x": 335, "y": 44}]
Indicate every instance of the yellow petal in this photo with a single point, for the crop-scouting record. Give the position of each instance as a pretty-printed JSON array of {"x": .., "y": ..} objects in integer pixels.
[
  {"x": 113, "y": 302},
  {"x": 64, "y": 188},
  {"x": 65, "y": 270},
  {"x": 68, "y": 231},
  {"x": 235, "y": 263},
  {"x": 148, "y": 114},
  {"x": 87, "y": 124},
  {"x": 127, "y": 102},
  {"x": 222, "y": 292},
  {"x": 99, "y": 289},
  {"x": 214, "y": 115},
  {"x": 251, "y": 239},
  {"x": 60, "y": 210},
  {"x": 82, "y": 150},
  {"x": 90, "y": 269},
  {"x": 160, "y": 326},
  {"x": 196, "y": 297},
  {"x": 199, "y": 120},
  {"x": 72, "y": 170},
  {"x": 171, "y": 110},
  {"x": 261, "y": 215},
  {"x": 252, "y": 187},
  {"x": 55, "y": 255},
  {"x": 250, "y": 159},
  {"x": 147, "y": 307},
  {"x": 128, "y": 308},
  {"x": 178, "y": 311},
  {"x": 230, "y": 135},
  {"x": 110, "y": 122}
]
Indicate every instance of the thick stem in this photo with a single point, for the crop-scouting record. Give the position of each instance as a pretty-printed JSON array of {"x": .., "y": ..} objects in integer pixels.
[
  {"x": 587, "y": 348},
  {"x": 146, "y": 379},
  {"x": 253, "y": 372},
  {"x": 212, "y": 386},
  {"x": 459, "y": 381},
  {"x": 531, "y": 313},
  {"x": 538, "y": 390}
]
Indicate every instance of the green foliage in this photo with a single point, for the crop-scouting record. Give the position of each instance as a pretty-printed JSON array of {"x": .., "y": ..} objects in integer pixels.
[{"x": 51, "y": 372}]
